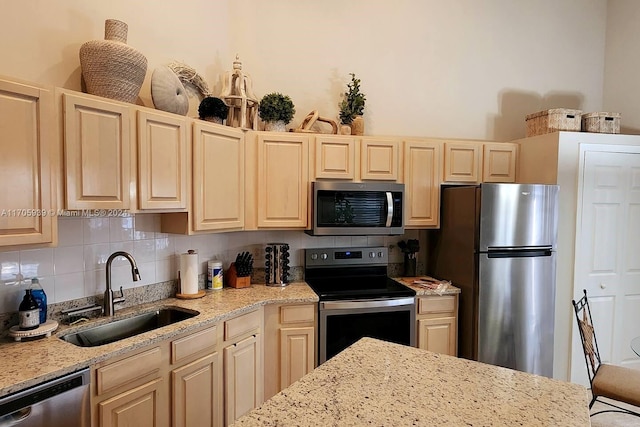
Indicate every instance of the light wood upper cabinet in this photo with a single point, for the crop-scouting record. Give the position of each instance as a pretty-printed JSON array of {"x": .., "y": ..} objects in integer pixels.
[
  {"x": 334, "y": 157},
  {"x": 379, "y": 159},
  {"x": 27, "y": 132},
  {"x": 218, "y": 177},
  {"x": 98, "y": 158},
  {"x": 462, "y": 161},
  {"x": 163, "y": 160},
  {"x": 422, "y": 176},
  {"x": 277, "y": 184},
  {"x": 499, "y": 162}
]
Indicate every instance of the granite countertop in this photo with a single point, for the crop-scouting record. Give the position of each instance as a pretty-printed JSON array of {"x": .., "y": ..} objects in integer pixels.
[
  {"x": 376, "y": 383},
  {"x": 28, "y": 363}
]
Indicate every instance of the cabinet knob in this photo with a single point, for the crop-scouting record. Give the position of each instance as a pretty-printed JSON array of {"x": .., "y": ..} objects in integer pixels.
[{"x": 603, "y": 285}]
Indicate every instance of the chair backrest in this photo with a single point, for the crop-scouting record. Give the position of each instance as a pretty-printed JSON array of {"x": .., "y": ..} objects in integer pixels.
[{"x": 587, "y": 335}]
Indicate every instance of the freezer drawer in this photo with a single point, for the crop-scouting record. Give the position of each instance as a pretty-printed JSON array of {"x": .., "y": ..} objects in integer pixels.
[{"x": 516, "y": 311}]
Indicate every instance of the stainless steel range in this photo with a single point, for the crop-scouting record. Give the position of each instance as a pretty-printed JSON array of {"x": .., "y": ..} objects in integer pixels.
[{"x": 357, "y": 299}]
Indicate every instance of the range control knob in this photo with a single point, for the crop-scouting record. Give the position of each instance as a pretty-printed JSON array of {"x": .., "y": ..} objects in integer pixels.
[
  {"x": 323, "y": 256},
  {"x": 372, "y": 254},
  {"x": 314, "y": 256},
  {"x": 380, "y": 255}
]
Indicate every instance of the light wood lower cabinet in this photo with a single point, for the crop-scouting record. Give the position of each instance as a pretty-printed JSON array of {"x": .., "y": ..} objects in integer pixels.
[
  {"x": 290, "y": 345},
  {"x": 243, "y": 377},
  {"x": 437, "y": 328},
  {"x": 143, "y": 406},
  {"x": 197, "y": 393},
  {"x": 243, "y": 364},
  {"x": 27, "y": 164},
  {"x": 176, "y": 383}
]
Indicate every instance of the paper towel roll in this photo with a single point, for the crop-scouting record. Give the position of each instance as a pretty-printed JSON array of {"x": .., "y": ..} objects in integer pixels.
[{"x": 189, "y": 273}]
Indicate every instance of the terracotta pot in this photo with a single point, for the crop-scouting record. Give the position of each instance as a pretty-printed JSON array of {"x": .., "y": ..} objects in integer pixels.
[
  {"x": 345, "y": 130},
  {"x": 110, "y": 67}
]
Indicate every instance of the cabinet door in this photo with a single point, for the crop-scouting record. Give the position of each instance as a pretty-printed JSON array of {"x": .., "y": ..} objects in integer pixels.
[
  {"x": 297, "y": 351},
  {"x": 422, "y": 161},
  {"x": 462, "y": 161},
  {"x": 97, "y": 145},
  {"x": 243, "y": 378},
  {"x": 438, "y": 335},
  {"x": 499, "y": 162},
  {"x": 335, "y": 157},
  {"x": 197, "y": 393},
  {"x": 26, "y": 134},
  {"x": 218, "y": 177},
  {"x": 141, "y": 406},
  {"x": 282, "y": 180},
  {"x": 162, "y": 161},
  {"x": 379, "y": 159}
]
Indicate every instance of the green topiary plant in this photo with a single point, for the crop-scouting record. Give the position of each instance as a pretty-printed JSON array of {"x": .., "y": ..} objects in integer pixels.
[
  {"x": 212, "y": 107},
  {"x": 275, "y": 107},
  {"x": 352, "y": 104}
]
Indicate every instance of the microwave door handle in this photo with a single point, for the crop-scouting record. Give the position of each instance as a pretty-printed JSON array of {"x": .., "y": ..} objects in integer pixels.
[{"x": 389, "y": 209}]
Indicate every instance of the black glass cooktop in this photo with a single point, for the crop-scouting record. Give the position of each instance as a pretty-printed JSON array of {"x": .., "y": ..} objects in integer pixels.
[{"x": 354, "y": 283}]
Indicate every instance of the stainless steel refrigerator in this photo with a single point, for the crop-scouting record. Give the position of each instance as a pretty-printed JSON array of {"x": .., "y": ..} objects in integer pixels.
[{"x": 497, "y": 243}]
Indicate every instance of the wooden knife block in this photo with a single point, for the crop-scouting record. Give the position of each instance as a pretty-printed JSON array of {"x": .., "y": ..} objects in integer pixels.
[{"x": 237, "y": 282}]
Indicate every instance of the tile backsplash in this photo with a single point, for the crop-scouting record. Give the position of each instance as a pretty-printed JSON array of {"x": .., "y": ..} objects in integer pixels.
[{"x": 76, "y": 267}]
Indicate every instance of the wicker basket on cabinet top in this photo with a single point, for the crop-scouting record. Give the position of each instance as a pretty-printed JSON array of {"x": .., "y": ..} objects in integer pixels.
[
  {"x": 553, "y": 120},
  {"x": 601, "y": 122}
]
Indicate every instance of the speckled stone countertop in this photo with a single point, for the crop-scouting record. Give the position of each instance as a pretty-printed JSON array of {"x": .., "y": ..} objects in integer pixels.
[
  {"x": 426, "y": 286},
  {"x": 28, "y": 363},
  {"x": 375, "y": 383}
]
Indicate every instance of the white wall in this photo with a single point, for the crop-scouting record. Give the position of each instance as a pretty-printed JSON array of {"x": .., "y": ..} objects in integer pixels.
[
  {"x": 621, "y": 83},
  {"x": 460, "y": 68}
]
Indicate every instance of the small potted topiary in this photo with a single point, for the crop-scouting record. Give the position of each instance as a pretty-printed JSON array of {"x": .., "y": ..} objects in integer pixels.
[
  {"x": 276, "y": 110},
  {"x": 352, "y": 107},
  {"x": 213, "y": 109}
]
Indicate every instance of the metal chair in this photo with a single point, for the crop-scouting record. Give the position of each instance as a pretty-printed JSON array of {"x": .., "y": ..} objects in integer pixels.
[{"x": 611, "y": 381}]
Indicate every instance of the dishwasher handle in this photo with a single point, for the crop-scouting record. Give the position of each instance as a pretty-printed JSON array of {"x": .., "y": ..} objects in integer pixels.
[{"x": 15, "y": 417}]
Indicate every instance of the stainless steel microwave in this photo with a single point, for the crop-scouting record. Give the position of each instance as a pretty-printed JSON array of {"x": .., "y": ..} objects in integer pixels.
[{"x": 357, "y": 208}]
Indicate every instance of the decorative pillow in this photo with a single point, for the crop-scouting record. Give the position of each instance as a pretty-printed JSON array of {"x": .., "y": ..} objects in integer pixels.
[{"x": 168, "y": 92}]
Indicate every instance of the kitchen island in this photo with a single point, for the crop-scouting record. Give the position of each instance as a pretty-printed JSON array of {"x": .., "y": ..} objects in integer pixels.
[{"x": 376, "y": 383}]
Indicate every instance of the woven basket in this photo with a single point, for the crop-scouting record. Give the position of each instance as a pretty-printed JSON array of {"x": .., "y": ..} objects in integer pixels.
[
  {"x": 110, "y": 67},
  {"x": 601, "y": 122},
  {"x": 553, "y": 120}
]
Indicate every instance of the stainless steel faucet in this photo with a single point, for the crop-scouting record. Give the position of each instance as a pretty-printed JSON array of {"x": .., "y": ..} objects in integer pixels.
[{"x": 109, "y": 302}]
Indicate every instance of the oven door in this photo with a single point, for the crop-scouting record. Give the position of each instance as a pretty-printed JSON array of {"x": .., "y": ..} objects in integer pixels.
[{"x": 342, "y": 323}]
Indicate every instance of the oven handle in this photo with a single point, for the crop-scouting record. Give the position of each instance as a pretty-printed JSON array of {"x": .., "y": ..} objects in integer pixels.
[
  {"x": 389, "y": 209},
  {"x": 377, "y": 303}
]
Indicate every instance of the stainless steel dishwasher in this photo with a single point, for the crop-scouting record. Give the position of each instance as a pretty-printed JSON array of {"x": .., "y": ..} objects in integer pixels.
[{"x": 62, "y": 402}]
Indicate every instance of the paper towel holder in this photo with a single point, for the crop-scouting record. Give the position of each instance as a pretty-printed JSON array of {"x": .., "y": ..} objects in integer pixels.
[{"x": 198, "y": 294}]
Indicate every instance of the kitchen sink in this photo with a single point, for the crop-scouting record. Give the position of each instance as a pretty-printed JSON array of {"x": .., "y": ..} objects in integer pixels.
[{"x": 128, "y": 327}]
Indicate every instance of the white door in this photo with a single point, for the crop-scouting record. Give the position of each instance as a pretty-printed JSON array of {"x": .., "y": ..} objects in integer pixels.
[{"x": 608, "y": 255}]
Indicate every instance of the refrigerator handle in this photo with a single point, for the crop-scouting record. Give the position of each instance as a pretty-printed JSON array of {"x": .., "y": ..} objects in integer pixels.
[
  {"x": 511, "y": 253},
  {"x": 389, "y": 208}
]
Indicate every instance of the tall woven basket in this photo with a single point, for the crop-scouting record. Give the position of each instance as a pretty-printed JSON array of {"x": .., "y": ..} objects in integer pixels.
[{"x": 110, "y": 67}]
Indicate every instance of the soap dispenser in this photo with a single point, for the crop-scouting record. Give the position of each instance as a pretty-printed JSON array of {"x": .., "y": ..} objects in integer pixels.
[{"x": 40, "y": 297}]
